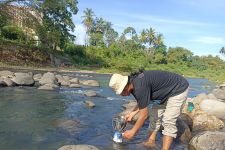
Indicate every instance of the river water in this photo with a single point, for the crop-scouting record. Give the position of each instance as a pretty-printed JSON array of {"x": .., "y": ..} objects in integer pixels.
[{"x": 32, "y": 119}]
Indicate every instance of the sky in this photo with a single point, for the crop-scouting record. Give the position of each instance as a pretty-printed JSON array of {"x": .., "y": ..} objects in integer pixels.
[{"x": 197, "y": 25}]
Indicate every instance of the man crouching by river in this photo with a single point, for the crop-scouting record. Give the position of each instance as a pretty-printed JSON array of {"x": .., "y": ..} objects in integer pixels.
[{"x": 170, "y": 88}]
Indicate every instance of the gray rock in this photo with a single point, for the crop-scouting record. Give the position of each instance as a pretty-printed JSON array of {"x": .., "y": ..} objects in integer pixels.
[
  {"x": 211, "y": 96},
  {"x": 2, "y": 83},
  {"x": 24, "y": 79},
  {"x": 48, "y": 87},
  {"x": 205, "y": 122},
  {"x": 89, "y": 104},
  {"x": 74, "y": 86},
  {"x": 8, "y": 82},
  {"x": 131, "y": 103},
  {"x": 222, "y": 86},
  {"x": 66, "y": 78},
  {"x": 74, "y": 80},
  {"x": 78, "y": 147},
  {"x": 208, "y": 141},
  {"x": 214, "y": 107},
  {"x": 37, "y": 77},
  {"x": 48, "y": 78},
  {"x": 90, "y": 82},
  {"x": 65, "y": 82},
  {"x": 68, "y": 125},
  {"x": 6, "y": 73},
  {"x": 199, "y": 98},
  {"x": 90, "y": 93},
  {"x": 59, "y": 78},
  {"x": 219, "y": 93}
]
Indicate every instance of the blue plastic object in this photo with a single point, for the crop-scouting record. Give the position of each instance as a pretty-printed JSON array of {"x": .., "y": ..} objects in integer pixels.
[{"x": 190, "y": 106}]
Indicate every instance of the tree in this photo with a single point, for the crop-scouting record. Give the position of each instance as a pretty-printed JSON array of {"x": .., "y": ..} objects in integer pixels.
[
  {"x": 179, "y": 55},
  {"x": 222, "y": 51}
]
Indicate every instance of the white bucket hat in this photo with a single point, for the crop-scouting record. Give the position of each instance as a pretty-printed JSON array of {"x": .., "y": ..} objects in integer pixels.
[{"x": 118, "y": 83}]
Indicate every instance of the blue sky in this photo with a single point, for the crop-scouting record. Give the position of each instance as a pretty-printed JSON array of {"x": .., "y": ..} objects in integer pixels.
[{"x": 197, "y": 25}]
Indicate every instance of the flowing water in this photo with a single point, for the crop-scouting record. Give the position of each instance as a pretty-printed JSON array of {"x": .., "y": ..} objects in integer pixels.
[{"x": 32, "y": 119}]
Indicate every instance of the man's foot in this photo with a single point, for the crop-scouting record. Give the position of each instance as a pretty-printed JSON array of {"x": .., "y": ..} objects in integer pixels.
[{"x": 150, "y": 143}]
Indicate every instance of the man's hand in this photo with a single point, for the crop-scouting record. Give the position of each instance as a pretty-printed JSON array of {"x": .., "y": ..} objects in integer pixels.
[
  {"x": 128, "y": 117},
  {"x": 129, "y": 134}
]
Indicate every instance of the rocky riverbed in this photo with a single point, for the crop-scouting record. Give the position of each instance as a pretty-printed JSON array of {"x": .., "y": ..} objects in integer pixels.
[{"x": 49, "y": 110}]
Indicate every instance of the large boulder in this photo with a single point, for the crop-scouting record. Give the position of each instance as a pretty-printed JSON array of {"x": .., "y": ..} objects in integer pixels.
[
  {"x": 222, "y": 86},
  {"x": 199, "y": 98},
  {"x": 8, "y": 82},
  {"x": 208, "y": 141},
  {"x": 6, "y": 73},
  {"x": 2, "y": 83},
  {"x": 65, "y": 82},
  {"x": 48, "y": 78},
  {"x": 90, "y": 82},
  {"x": 74, "y": 85},
  {"x": 37, "y": 77},
  {"x": 211, "y": 96},
  {"x": 204, "y": 122},
  {"x": 219, "y": 93},
  {"x": 24, "y": 79},
  {"x": 214, "y": 107},
  {"x": 78, "y": 147}
]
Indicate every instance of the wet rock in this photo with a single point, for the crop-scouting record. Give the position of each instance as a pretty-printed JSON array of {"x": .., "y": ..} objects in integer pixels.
[
  {"x": 36, "y": 84},
  {"x": 213, "y": 107},
  {"x": 6, "y": 74},
  {"x": 90, "y": 82},
  {"x": 48, "y": 87},
  {"x": 90, "y": 93},
  {"x": 219, "y": 93},
  {"x": 208, "y": 141},
  {"x": 9, "y": 82},
  {"x": 68, "y": 125},
  {"x": 74, "y": 86},
  {"x": 59, "y": 78},
  {"x": 183, "y": 131},
  {"x": 48, "y": 78},
  {"x": 78, "y": 147},
  {"x": 66, "y": 78},
  {"x": 89, "y": 104},
  {"x": 24, "y": 79},
  {"x": 74, "y": 80},
  {"x": 37, "y": 77}
]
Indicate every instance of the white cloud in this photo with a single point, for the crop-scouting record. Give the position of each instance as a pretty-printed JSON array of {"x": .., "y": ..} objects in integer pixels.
[
  {"x": 80, "y": 34},
  {"x": 209, "y": 40}
]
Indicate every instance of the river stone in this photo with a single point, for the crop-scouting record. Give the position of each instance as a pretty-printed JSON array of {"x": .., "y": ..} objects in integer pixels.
[
  {"x": 183, "y": 131},
  {"x": 66, "y": 78},
  {"x": 2, "y": 83},
  {"x": 59, "y": 78},
  {"x": 211, "y": 96},
  {"x": 74, "y": 80},
  {"x": 8, "y": 82},
  {"x": 74, "y": 85},
  {"x": 208, "y": 140},
  {"x": 214, "y": 107},
  {"x": 131, "y": 103},
  {"x": 90, "y": 93},
  {"x": 78, "y": 147},
  {"x": 67, "y": 125},
  {"x": 37, "y": 77},
  {"x": 90, "y": 82},
  {"x": 220, "y": 94},
  {"x": 48, "y": 78},
  {"x": 199, "y": 98},
  {"x": 65, "y": 82},
  {"x": 222, "y": 86},
  {"x": 204, "y": 122},
  {"x": 6, "y": 73},
  {"x": 48, "y": 87},
  {"x": 24, "y": 79},
  {"x": 89, "y": 104}
]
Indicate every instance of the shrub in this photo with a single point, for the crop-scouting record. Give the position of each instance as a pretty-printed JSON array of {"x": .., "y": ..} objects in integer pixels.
[
  {"x": 74, "y": 50},
  {"x": 13, "y": 33}
]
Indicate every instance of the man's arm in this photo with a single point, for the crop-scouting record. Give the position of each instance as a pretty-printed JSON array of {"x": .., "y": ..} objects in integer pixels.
[{"x": 143, "y": 115}]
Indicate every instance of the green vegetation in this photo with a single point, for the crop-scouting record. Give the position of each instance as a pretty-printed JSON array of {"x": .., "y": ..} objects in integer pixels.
[{"x": 105, "y": 49}]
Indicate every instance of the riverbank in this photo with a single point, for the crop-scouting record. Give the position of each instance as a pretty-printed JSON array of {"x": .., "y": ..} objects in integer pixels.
[{"x": 217, "y": 77}]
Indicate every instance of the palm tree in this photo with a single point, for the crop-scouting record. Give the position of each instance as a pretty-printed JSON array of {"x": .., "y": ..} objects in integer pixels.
[{"x": 88, "y": 21}]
